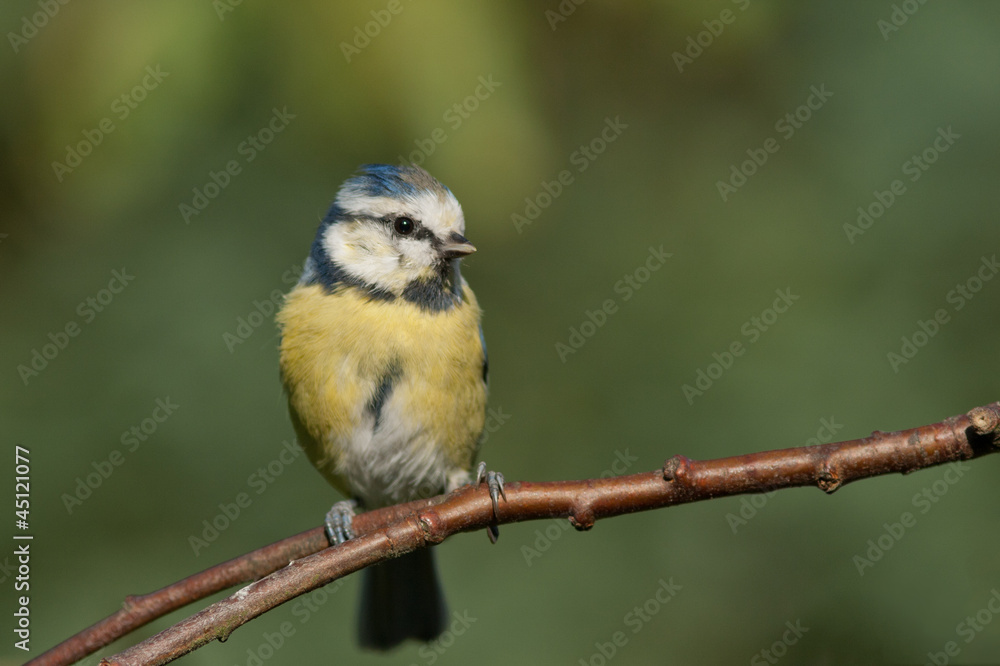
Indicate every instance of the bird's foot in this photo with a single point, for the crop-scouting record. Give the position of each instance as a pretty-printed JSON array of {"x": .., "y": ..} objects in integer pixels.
[
  {"x": 494, "y": 480},
  {"x": 338, "y": 522}
]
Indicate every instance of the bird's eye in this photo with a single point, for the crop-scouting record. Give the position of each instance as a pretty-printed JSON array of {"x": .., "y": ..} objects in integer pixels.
[{"x": 404, "y": 226}]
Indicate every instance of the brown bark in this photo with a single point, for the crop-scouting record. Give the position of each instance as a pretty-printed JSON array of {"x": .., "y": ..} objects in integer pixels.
[{"x": 393, "y": 531}]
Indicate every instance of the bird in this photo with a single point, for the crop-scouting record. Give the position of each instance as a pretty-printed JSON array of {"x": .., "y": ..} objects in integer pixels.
[{"x": 384, "y": 364}]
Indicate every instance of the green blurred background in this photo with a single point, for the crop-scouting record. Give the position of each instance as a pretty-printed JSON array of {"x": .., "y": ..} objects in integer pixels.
[{"x": 224, "y": 68}]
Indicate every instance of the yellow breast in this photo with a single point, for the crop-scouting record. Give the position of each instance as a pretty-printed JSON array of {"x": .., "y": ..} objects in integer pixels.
[{"x": 337, "y": 350}]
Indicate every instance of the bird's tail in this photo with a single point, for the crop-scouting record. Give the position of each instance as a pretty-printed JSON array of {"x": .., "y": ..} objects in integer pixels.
[{"x": 400, "y": 599}]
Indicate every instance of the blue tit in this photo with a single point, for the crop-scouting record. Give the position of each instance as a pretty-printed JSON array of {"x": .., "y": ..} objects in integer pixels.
[{"x": 384, "y": 364}]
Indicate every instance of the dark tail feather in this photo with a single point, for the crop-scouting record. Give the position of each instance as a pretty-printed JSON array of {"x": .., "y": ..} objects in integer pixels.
[{"x": 401, "y": 599}]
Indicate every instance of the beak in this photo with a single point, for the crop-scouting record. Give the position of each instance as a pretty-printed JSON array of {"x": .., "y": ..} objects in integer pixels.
[{"x": 456, "y": 247}]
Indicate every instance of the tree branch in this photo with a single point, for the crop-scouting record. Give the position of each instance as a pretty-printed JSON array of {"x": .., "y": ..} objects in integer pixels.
[{"x": 393, "y": 531}]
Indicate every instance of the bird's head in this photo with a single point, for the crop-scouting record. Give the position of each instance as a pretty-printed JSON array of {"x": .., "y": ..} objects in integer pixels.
[{"x": 396, "y": 232}]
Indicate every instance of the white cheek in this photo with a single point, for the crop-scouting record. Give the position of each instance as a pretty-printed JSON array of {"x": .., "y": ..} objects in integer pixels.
[
  {"x": 366, "y": 253},
  {"x": 368, "y": 250},
  {"x": 418, "y": 257}
]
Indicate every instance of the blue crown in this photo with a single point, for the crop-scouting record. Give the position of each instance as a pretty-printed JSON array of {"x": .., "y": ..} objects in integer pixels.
[{"x": 387, "y": 180}]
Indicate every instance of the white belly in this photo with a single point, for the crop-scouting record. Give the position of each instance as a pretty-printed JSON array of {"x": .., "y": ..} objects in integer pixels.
[{"x": 394, "y": 462}]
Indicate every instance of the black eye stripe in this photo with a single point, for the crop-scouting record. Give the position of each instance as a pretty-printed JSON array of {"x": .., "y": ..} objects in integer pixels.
[{"x": 418, "y": 232}]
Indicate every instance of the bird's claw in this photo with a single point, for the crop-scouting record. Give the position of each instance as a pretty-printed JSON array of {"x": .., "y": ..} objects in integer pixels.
[
  {"x": 494, "y": 481},
  {"x": 339, "y": 522}
]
